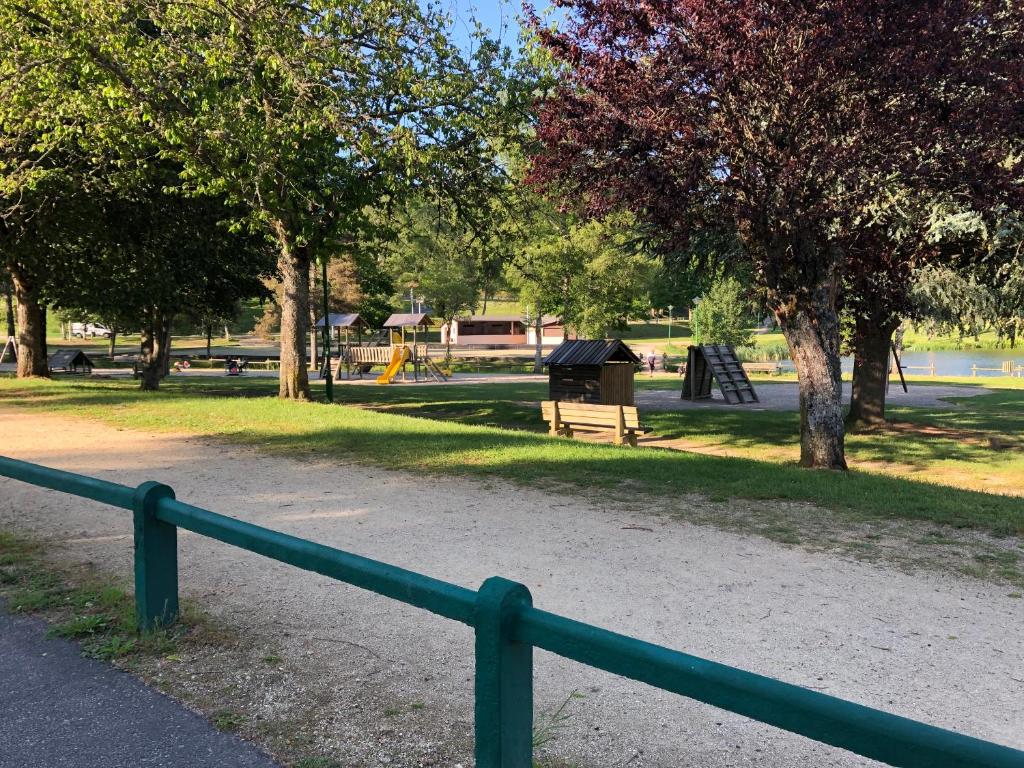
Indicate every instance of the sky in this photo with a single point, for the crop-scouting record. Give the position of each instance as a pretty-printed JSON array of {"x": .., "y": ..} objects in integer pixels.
[{"x": 500, "y": 16}]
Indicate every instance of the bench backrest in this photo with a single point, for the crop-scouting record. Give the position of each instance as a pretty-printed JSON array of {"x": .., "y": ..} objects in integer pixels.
[{"x": 590, "y": 415}]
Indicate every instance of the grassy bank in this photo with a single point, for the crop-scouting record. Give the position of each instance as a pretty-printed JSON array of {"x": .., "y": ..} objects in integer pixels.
[{"x": 463, "y": 435}]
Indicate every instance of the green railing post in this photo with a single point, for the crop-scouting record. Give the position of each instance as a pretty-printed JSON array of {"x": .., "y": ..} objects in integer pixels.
[
  {"x": 504, "y": 678},
  {"x": 156, "y": 560}
]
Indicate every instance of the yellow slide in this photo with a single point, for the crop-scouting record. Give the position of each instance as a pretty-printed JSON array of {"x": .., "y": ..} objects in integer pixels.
[{"x": 399, "y": 356}]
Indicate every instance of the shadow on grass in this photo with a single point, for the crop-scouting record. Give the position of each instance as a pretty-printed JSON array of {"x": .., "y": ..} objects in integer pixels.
[{"x": 448, "y": 448}]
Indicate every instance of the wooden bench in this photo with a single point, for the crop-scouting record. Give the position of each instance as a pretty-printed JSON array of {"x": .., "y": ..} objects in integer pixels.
[
  {"x": 623, "y": 421},
  {"x": 772, "y": 368}
]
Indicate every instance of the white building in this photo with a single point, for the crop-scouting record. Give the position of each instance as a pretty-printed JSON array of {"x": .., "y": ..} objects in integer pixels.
[{"x": 503, "y": 330}]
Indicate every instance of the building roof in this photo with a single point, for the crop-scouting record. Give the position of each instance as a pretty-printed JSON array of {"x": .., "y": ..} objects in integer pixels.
[
  {"x": 490, "y": 319},
  {"x": 580, "y": 352},
  {"x": 65, "y": 358},
  {"x": 350, "y": 320},
  {"x": 407, "y": 320},
  {"x": 545, "y": 321}
]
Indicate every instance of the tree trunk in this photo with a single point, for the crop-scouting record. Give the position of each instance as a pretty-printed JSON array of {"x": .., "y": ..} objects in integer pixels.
[
  {"x": 870, "y": 373},
  {"x": 165, "y": 347},
  {"x": 209, "y": 341},
  {"x": 156, "y": 350},
  {"x": 31, "y": 322},
  {"x": 112, "y": 346},
  {"x": 813, "y": 337},
  {"x": 293, "y": 263},
  {"x": 9, "y": 298}
]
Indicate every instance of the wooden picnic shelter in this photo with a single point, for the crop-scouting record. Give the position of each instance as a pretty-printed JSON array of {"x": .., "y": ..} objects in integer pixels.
[{"x": 599, "y": 372}]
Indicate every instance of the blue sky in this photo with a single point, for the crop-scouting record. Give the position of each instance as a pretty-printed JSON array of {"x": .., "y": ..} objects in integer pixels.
[{"x": 500, "y": 16}]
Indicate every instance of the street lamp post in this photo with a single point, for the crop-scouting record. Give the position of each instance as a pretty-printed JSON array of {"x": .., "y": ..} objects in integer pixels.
[{"x": 670, "y": 323}]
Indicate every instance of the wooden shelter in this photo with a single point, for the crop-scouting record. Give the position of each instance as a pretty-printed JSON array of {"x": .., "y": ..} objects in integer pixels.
[
  {"x": 70, "y": 361},
  {"x": 340, "y": 321},
  {"x": 413, "y": 320},
  {"x": 599, "y": 372},
  {"x": 345, "y": 322}
]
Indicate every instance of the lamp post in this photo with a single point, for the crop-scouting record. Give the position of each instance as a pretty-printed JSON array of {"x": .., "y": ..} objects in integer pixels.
[{"x": 670, "y": 323}]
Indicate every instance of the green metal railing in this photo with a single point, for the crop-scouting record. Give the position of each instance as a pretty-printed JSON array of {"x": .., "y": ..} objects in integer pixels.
[{"x": 508, "y": 628}]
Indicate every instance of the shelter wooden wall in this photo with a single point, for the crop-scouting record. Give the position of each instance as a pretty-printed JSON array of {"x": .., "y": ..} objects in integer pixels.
[
  {"x": 610, "y": 384},
  {"x": 617, "y": 384}
]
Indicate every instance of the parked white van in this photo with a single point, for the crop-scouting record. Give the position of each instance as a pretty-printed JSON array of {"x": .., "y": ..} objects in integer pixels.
[{"x": 90, "y": 330}]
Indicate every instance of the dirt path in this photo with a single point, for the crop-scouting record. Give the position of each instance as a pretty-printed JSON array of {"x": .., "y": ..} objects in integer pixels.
[{"x": 379, "y": 683}]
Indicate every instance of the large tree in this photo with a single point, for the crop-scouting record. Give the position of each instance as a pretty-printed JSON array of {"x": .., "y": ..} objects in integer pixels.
[
  {"x": 784, "y": 122},
  {"x": 150, "y": 257},
  {"x": 593, "y": 275},
  {"x": 303, "y": 112}
]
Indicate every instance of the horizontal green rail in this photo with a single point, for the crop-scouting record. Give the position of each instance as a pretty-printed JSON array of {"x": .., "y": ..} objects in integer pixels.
[{"x": 508, "y": 628}]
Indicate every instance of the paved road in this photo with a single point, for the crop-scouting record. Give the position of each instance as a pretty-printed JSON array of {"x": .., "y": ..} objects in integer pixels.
[{"x": 59, "y": 710}]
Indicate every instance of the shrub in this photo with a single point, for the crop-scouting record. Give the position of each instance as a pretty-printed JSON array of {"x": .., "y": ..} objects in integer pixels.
[{"x": 721, "y": 315}]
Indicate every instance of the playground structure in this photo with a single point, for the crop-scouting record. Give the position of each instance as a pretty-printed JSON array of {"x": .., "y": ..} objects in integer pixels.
[
  {"x": 716, "y": 361},
  {"x": 12, "y": 346},
  {"x": 395, "y": 354},
  {"x": 395, "y": 359}
]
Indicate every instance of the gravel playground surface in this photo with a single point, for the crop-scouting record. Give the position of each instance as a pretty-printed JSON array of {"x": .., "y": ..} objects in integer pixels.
[
  {"x": 380, "y": 683},
  {"x": 785, "y": 396}
]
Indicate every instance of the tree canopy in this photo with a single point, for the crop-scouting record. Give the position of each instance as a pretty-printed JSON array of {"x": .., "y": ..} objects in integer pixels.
[{"x": 783, "y": 122}]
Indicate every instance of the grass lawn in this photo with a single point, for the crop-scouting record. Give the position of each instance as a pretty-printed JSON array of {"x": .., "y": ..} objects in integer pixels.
[{"x": 466, "y": 432}]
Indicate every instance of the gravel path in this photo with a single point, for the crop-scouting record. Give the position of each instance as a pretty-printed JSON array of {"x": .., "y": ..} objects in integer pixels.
[
  {"x": 393, "y": 685},
  {"x": 785, "y": 396},
  {"x": 59, "y": 710}
]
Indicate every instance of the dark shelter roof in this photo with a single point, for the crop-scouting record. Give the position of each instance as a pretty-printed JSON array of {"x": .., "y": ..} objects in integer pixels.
[
  {"x": 66, "y": 358},
  {"x": 407, "y": 320},
  {"x": 580, "y": 352},
  {"x": 350, "y": 320}
]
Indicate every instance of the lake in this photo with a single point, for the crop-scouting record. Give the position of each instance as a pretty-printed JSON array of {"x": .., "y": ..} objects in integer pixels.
[{"x": 952, "y": 362}]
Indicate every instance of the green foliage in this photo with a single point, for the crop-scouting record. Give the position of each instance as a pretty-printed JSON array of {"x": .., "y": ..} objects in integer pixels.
[
  {"x": 300, "y": 115},
  {"x": 439, "y": 257},
  {"x": 722, "y": 315},
  {"x": 594, "y": 275}
]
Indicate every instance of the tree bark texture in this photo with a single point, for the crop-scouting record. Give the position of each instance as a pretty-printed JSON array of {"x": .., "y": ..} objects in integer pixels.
[
  {"x": 293, "y": 263},
  {"x": 31, "y": 335},
  {"x": 156, "y": 351},
  {"x": 870, "y": 373},
  {"x": 9, "y": 300},
  {"x": 112, "y": 345},
  {"x": 812, "y": 333}
]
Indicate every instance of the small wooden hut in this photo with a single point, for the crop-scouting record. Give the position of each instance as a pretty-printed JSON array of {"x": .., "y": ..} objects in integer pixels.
[
  {"x": 599, "y": 372},
  {"x": 70, "y": 361}
]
